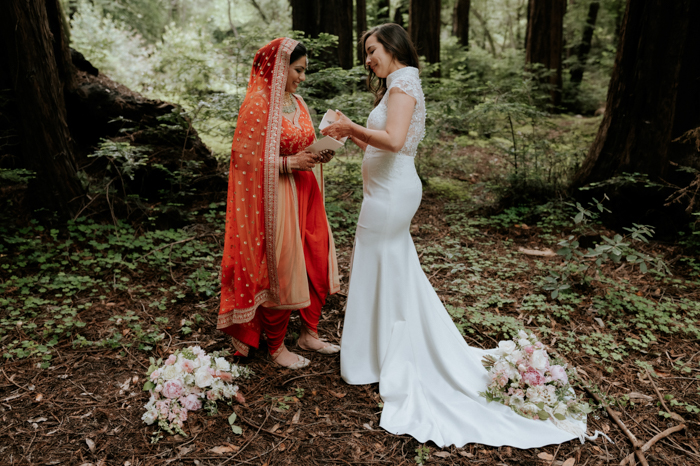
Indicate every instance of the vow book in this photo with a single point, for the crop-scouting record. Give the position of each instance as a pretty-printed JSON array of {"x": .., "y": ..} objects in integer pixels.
[{"x": 327, "y": 142}]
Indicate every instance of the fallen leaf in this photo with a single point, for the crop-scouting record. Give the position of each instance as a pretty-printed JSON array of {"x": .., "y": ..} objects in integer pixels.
[
  {"x": 356, "y": 434},
  {"x": 90, "y": 444},
  {"x": 537, "y": 252},
  {"x": 367, "y": 426},
  {"x": 466, "y": 454},
  {"x": 569, "y": 462},
  {"x": 337, "y": 395},
  {"x": 220, "y": 450},
  {"x": 442, "y": 454},
  {"x": 282, "y": 447},
  {"x": 295, "y": 419},
  {"x": 185, "y": 450},
  {"x": 545, "y": 456},
  {"x": 39, "y": 419},
  {"x": 636, "y": 396},
  {"x": 317, "y": 411},
  {"x": 274, "y": 428},
  {"x": 39, "y": 397}
]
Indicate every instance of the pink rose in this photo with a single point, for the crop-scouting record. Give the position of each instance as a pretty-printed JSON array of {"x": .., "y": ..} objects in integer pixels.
[
  {"x": 172, "y": 388},
  {"x": 154, "y": 375},
  {"x": 211, "y": 395},
  {"x": 191, "y": 402},
  {"x": 224, "y": 376},
  {"x": 559, "y": 373},
  {"x": 162, "y": 407},
  {"x": 171, "y": 360},
  {"x": 533, "y": 377},
  {"x": 187, "y": 365},
  {"x": 240, "y": 398},
  {"x": 529, "y": 349}
]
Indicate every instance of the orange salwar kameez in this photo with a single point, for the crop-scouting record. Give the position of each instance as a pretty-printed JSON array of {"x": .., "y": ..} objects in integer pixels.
[{"x": 273, "y": 216}]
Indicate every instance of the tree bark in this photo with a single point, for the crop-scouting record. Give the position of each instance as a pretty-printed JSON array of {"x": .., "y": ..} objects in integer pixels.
[
  {"x": 306, "y": 16},
  {"x": 460, "y": 22},
  {"x": 340, "y": 22},
  {"x": 360, "y": 24},
  {"x": 545, "y": 42},
  {"x": 654, "y": 93},
  {"x": 37, "y": 59},
  {"x": 584, "y": 47},
  {"x": 424, "y": 28},
  {"x": 383, "y": 7},
  {"x": 398, "y": 13}
]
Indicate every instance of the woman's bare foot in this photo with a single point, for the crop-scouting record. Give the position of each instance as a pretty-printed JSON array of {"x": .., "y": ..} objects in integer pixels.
[
  {"x": 290, "y": 360},
  {"x": 311, "y": 342}
]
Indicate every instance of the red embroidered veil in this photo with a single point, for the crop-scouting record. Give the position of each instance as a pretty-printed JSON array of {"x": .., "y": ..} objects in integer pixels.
[{"x": 248, "y": 269}]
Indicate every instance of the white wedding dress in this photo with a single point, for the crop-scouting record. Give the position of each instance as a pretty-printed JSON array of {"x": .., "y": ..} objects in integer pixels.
[{"x": 397, "y": 331}]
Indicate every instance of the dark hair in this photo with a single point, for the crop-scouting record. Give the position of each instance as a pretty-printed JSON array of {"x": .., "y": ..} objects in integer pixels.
[
  {"x": 298, "y": 52},
  {"x": 396, "y": 42}
]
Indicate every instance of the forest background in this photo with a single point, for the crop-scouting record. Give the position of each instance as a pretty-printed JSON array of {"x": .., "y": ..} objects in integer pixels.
[{"x": 560, "y": 179}]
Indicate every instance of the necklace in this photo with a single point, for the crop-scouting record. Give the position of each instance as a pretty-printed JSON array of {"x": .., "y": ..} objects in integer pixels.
[{"x": 289, "y": 104}]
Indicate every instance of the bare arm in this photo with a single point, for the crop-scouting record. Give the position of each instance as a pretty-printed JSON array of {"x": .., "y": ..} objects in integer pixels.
[{"x": 399, "y": 111}]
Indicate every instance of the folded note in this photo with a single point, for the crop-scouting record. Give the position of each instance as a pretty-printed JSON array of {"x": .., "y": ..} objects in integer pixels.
[{"x": 327, "y": 143}]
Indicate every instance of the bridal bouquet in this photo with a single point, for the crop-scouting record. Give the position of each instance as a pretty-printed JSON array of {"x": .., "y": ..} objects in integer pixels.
[
  {"x": 189, "y": 380},
  {"x": 523, "y": 377}
]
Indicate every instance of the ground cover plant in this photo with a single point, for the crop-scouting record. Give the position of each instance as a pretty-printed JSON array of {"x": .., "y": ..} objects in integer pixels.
[{"x": 89, "y": 307}]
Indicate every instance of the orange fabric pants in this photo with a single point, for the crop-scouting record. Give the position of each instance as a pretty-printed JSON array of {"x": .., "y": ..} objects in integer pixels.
[{"x": 314, "y": 236}]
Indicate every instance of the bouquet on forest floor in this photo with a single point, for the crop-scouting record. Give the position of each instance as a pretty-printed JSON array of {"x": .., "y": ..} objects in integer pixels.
[
  {"x": 189, "y": 380},
  {"x": 524, "y": 378}
]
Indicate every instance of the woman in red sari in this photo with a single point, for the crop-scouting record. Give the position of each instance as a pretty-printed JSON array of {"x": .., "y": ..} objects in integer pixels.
[{"x": 279, "y": 253}]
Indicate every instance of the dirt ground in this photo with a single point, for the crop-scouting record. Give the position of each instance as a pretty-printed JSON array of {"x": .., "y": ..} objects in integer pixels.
[{"x": 86, "y": 408}]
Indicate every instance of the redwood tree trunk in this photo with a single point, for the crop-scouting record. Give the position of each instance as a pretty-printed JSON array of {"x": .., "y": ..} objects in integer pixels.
[
  {"x": 424, "y": 28},
  {"x": 654, "y": 93},
  {"x": 37, "y": 58},
  {"x": 306, "y": 16},
  {"x": 584, "y": 47},
  {"x": 460, "y": 22},
  {"x": 545, "y": 41},
  {"x": 360, "y": 24},
  {"x": 398, "y": 13},
  {"x": 337, "y": 20},
  {"x": 383, "y": 7}
]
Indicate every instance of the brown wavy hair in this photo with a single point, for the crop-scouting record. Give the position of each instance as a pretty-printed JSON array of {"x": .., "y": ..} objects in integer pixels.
[{"x": 396, "y": 42}]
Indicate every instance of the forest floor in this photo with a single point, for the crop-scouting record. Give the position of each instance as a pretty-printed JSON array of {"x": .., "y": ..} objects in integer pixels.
[{"x": 70, "y": 388}]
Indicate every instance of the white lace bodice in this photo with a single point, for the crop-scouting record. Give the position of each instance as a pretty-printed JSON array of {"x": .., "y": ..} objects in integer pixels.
[{"x": 408, "y": 81}]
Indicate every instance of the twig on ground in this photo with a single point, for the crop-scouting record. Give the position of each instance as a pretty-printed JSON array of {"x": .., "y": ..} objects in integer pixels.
[
  {"x": 308, "y": 375},
  {"x": 252, "y": 438},
  {"x": 674, "y": 416},
  {"x": 650, "y": 443},
  {"x": 635, "y": 443}
]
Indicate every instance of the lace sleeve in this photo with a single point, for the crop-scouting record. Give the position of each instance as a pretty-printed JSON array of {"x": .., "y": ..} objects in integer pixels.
[{"x": 410, "y": 85}]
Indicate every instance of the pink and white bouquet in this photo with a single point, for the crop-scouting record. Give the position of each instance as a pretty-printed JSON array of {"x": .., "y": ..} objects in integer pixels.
[
  {"x": 189, "y": 380},
  {"x": 523, "y": 377}
]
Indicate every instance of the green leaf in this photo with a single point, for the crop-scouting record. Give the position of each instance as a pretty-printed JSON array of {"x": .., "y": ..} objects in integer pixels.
[
  {"x": 561, "y": 417},
  {"x": 543, "y": 415},
  {"x": 148, "y": 386},
  {"x": 232, "y": 418},
  {"x": 238, "y": 430}
]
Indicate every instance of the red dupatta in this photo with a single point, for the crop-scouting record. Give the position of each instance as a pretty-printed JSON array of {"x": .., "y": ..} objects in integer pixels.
[{"x": 248, "y": 269}]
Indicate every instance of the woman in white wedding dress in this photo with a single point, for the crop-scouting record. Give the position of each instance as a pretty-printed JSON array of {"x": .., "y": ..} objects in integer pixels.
[{"x": 397, "y": 331}]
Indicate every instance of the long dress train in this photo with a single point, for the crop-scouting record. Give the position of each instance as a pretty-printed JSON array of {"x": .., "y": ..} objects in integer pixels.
[{"x": 397, "y": 331}]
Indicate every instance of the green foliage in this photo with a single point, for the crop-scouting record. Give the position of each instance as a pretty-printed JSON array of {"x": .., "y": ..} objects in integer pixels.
[{"x": 422, "y": 454}]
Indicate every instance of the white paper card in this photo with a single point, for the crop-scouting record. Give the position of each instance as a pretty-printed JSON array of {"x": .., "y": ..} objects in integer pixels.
[
  {"x": 330, "y": 117},
  {"x": 326, "y": 143}
]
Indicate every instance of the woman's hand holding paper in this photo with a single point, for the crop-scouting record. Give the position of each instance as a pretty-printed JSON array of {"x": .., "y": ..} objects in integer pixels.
[{"x": 339, "y": 129}]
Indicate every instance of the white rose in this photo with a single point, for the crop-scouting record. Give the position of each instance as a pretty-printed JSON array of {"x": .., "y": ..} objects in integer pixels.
[
  {"x": 523, "y": 342},
  {"x": 170, "y": 372},
  {"x": 560, "y": 409},
  {"x": 539, "y": 360},
  {"x": 534, "y": 395},
  {"x": 230, "y": 390},
  {"x": 202, "y": 377},
  {"x": 506, "y": 347},
  {"x": 522, "y": 335},
  {"x": 515, "y": 356},
  {"x": 150, "y": 416},
  {"x": 222, "y": 364}
]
